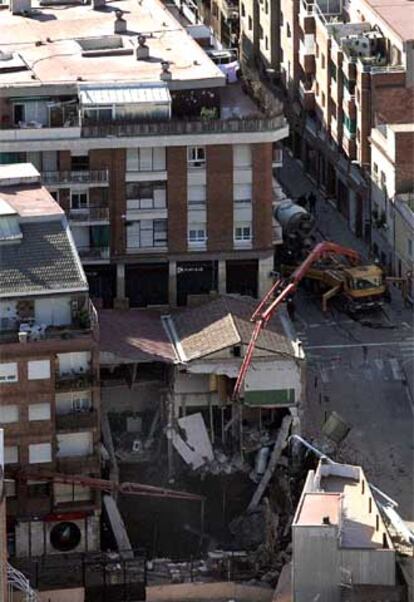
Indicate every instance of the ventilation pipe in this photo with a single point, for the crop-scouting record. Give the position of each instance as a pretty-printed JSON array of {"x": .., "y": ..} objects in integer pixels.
[
  {"x": 165, "y": 74},
  {"x": 142, "y": 51},
  {"x": 120, "y": 25}
]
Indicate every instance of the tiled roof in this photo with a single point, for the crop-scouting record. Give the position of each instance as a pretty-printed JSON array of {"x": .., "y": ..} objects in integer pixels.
[
  {"x": 136, "y": 334},
  {"x": 44, "y": 260},
  {"x": 225, "y": 322}
]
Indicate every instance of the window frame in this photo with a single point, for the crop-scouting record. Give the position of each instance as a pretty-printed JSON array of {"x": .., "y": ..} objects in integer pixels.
[{"x": 193, "y": 159}]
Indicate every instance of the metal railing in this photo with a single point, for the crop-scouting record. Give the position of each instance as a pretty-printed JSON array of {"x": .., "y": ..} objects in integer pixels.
[
  {"x": 87, "y": 176},
  {"x": 17, "y": 581},
  {"x": 93, "y": 252},
  {"x": 186, "y": 127},
  {"x": 89, "y": 214}
]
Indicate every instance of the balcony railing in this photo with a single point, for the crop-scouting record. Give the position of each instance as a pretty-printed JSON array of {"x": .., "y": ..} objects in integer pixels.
[
  {"x": 77, "y": 420},
  {"x": 74, "y": 381},
  {"x": 88, "y": 176},
  {"x": 183, "y": 127},
  {"x": 89, "y": 214},
  {"x": 93, "y": 253}
]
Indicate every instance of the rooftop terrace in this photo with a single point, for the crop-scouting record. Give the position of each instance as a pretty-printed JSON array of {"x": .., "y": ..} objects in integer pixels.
[{"x": 68, "y": 43}]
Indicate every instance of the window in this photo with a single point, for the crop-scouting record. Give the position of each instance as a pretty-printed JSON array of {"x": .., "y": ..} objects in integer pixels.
[
  {"x": 196, "y": 194},
  {"x": 317, "y": 89},
  {"x": 215, "y": 10},
  {"x": 10, "y": 488},
  {"x": 11, "y": 454},
  {"x": 146, "y": 159},
  {"x": 288, "y": 31},
  {"x": 375, "y": 171},
  {"x": 266, "y": 7},
  {"x": 281, "y": 19},
  {"x": 267, "y": 43},
  {"x": 250, "y": 23},
  {"x": 19, "y": 113},
  {"x": 410, "y": 247},
  {"x": 260, "y": 32},
  {"x": 38, "y": 369},
  {"x": 147, "y": 233},
  {"x": 39, "y": 411},
  {"x": 243, "y": 233},
  {"x": 39, "y": 453},
  {"x": 9, "y": 414},
  {"x": 197, "y": 234},
  {"x": 8, "y": 373},
  {"x": 67, "y": 493},
  {"x": 243, "y": 10},
  {"x": 383, "y": 181},
  {"x": 196, "y": 156},
  {"x": 242, "y": 155},
  {"x": 38, "y": 489},
  {"x": 80, "y": 163},
  {"x": 81, "y": 404},
  {"x": 242, "y": 193},
  {"x": 323, "y": 99},
  {"x": 323, "y": 61},
  {"x": 146, "y": 195},
  {"x": 316, "y": 50},
  {"x": 79, "y": 200}
]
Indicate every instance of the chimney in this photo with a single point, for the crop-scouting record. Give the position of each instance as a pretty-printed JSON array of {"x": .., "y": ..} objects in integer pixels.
[
  {"x": 120, "y": 25},
  {"x": 165, "y": 74},
  {"x": 20, "y": 7},
  {"x": 142, "y": 51}
]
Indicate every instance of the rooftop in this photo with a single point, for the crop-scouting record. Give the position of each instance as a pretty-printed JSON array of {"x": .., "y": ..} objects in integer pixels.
[
  {"x": 341, "y": 493},
  {"x": 72, "y": 43},
  {"x": 398, "y": 14},
  {"x": 142, "y": 335},
  {"x": 37, "y": 252}
]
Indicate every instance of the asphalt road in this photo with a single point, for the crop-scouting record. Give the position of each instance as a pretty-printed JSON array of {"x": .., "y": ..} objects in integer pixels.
[{"x": 365, "y": 374}]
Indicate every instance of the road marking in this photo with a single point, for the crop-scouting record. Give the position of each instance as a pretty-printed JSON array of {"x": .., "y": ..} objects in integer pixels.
[{"x": 355, "y": 345}]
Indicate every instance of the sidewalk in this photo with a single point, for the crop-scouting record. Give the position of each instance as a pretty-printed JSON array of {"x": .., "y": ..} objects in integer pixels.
[{"x": 330, "y": 223}]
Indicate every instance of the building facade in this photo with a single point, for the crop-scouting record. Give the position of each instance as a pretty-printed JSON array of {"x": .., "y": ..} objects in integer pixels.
[
  {"x": 166, "y": 181},
  {"x": 341, "y": 546},
  {"x": 346, "y": 66},
  {"x": 49, "y": 373},
  {"x": 392, "y": 188}
]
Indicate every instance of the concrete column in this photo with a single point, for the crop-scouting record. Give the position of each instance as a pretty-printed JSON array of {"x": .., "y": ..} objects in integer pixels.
[
  {"x": 265, "y": 279},
  {"x": 222, "y": 284},
  {"x": 172, "y": 283},
  {"x": 120, "y": 280}
]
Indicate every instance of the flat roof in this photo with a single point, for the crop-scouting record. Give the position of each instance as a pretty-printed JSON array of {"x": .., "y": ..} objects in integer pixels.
[
  {"x": 398, "y": 14},
  {"x": 30, "y": 201},
  {"x": 72, "y": 43},
  {"x": 317, "y": 506}
]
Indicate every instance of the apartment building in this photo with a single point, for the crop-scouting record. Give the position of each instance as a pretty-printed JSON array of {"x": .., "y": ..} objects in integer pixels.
[
  {"x": 341, "y": 546},
  {"x": 392, "y": 198},
  {"x": 164, "y": 169},
  {"x": 347, "y": 66},
  {"x": 49, "y": 387}
]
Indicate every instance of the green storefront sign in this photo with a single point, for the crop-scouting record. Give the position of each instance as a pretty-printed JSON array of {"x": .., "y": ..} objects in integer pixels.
[{"x": 267, "y": 398}]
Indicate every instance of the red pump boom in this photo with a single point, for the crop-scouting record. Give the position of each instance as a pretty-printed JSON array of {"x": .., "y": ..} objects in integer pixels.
[{"x": 282, "y": 288}]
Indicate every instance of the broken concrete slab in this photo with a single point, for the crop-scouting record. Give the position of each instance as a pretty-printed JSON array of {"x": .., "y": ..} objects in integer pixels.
[
  {"x": 194, "y": 446},
  {"x": 118, "y": 527},
  {"x": 280, "y": 444}
]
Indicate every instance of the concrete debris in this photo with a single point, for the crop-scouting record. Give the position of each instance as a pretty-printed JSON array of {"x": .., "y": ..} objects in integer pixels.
[
  {"x": 249, "y": 530},
  {"x": 192, "y": 441},
  {"x": 280, "y": 444},
  {"x": 223, "y": 464}
]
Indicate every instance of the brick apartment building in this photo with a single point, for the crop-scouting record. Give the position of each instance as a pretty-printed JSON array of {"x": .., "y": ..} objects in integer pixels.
[
  {"x": 49, "y": 385},
  {"x": 347, "y": 66},
  {"x": 163, "y": 169}
]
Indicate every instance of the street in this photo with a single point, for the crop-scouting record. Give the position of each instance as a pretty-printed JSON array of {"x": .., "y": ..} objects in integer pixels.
[{"x": 363, "y": 372}]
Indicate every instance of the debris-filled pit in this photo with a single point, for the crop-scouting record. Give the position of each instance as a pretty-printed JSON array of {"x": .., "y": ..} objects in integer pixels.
[{"x": 242, "y": 531}]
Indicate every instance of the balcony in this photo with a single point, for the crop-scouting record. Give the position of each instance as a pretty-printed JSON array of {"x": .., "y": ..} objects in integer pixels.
[
  {"x": 307, "y": 97},
  {"x": 90, "y": 215},
  {"x": 94, "y": 254},
  {"x": 307, "y": 54},
  {"x": 189, "y": 127},
  {"x": 93, "y": 177},
  {"x": 75, "y": 381},
  {"x": 277, "y": 157},
  {"x": 77, "y": 420},
  {"x": 84, "y": 323},
  {"x": 306, "y": 17},
  {"x": 75, "y": 464},
  {"x": 230, "y": 10}
]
